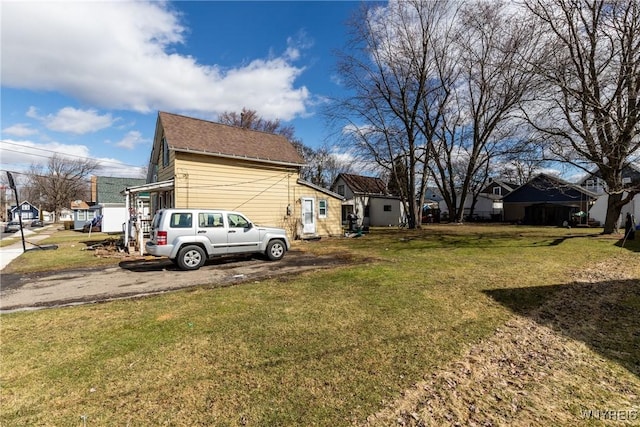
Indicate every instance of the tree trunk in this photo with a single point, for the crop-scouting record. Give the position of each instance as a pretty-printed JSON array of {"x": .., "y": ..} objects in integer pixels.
[{"x": 614, "y": 207}]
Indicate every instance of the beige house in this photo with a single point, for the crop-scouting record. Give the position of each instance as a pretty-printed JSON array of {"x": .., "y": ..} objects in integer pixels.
[{"x": 201, "y": 164}]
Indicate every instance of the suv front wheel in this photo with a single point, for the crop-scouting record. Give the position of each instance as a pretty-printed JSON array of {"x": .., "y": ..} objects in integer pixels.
[
  {"x": 276, "y": 250},
  {"x": 191, "y": 258}
]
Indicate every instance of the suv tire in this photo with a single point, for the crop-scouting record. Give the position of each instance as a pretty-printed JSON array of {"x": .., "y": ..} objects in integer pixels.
[
  {"x": 276, "y": 249},
  {"x": 191, "y": 257}
]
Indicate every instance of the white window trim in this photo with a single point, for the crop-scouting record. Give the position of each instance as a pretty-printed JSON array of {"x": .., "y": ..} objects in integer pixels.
[{"x": 324, "y": 202}]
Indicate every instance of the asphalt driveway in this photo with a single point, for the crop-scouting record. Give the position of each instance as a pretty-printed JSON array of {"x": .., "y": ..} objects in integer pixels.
[{"x": 145, "y": 277}]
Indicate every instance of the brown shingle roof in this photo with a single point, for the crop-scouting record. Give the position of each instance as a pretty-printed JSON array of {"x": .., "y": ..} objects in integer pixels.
[
  {"x": 364, "y": 184},
  {"x": 196, "y": 135}
]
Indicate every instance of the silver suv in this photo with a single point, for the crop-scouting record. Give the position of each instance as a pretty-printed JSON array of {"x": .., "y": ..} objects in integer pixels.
[{"x": 188, "y": 237}]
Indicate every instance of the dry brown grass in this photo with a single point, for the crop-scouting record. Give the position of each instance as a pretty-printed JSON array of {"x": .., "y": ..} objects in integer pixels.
[{"x": 549, "y": 366}]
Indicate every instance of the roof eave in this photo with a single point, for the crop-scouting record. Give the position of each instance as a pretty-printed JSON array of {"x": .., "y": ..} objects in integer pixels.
[{"x": 235, "y": 157}]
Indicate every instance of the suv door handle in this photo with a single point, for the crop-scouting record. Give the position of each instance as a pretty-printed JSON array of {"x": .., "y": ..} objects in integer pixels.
[
  {"x": 202, "y": 231},
  {"x": 232, "y": 231}
]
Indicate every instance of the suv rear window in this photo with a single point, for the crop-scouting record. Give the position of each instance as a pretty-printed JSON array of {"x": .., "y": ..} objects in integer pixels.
[
  {"x": 157, "y": 220},
  {"x": 180, "y": 220}
]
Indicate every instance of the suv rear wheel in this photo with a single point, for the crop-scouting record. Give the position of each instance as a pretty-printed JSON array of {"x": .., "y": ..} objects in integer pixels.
[
  {"x": 191, "y": 257},
  {"x": 276, "y": 250}
]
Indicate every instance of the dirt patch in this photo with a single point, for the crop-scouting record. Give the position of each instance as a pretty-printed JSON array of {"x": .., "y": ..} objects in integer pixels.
[
  {"x": 136, "y": 277},
  {"x": 547, "y": 366}
]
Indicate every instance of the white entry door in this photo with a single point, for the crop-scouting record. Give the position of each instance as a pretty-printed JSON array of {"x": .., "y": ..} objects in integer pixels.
[{"x": 308, "y": 216}]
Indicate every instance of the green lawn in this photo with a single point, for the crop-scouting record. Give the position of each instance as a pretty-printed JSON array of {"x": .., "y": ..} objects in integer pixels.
[
  {"x": 71, "y": 252},
  {"x": 326, "y": 348}
]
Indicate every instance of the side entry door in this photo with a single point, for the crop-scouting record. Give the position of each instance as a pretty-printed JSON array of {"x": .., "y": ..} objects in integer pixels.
[{"x": 308, "y": 216}]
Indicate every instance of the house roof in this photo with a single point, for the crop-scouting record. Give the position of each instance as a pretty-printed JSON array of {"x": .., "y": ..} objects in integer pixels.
[
  {"x": 79, "y": 204},
  {"x": 14, "y": 207},
  {"x": 201, "y": 136},
  {"x": 109, "y": 188},
  {"x": 321, "y": 189},
  {"x": 364, "y": 184},
  {"x": 545, "y": 188}
]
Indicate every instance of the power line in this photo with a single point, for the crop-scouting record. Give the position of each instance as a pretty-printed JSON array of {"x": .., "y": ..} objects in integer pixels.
[{"x": 57, "y": 152}]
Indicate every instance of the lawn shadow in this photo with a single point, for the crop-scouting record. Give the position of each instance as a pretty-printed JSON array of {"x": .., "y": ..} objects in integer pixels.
[
  {"x": 160, "y": 264},
  {"x": 560, "y": 240},
  {"x": 630, "y": 245},
  {"x": 603, "y": 315}
]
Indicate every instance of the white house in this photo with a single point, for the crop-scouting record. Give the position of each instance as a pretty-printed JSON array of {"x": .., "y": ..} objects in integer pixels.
[
  {"x": 369, "y": 199},
  {"x": 598, "y": 211},
  {"x": 488, "y": 204}
]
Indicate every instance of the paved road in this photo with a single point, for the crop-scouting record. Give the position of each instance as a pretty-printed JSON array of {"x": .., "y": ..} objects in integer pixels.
[{"x": 144, "y": 277}]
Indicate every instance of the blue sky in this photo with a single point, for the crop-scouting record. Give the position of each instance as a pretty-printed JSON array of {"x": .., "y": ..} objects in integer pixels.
[{"x": 86, "y": 79}]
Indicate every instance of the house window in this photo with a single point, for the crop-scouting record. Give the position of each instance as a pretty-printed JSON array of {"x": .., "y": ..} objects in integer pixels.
[
  {"x": 165, "y": 152},
  {"x": 387, "y": 208},
  {"x": 341, "y": 190},
  {"x": 322, "y": 208},
  {"x": 82, "y": 215},
  {"x": 626, "y": 180},
  {"x": 497, "y": 191}
]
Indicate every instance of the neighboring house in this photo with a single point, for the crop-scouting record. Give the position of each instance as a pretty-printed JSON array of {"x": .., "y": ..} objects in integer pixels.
[
  {"x": 26, "y": 211},
  {"x": 106, "y": 194},
  {"x": 488, "y": 204},
  {"x": 595, "y": 184},
  {"x": 83, "y": 212},
  {"x": 548, "y": 200},
  {"x": 201, "y": 164},
  {"x": 108, "y": 204},
  {"x": 66, "y": 214},
  {"x": 369, "y": 199}
]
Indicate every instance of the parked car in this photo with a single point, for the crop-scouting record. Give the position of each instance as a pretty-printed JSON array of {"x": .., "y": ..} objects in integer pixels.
[
  {"x": 12, "y": 227},
  {"x": 189, "y": 237},
  {"x": 37, "y": 223}
]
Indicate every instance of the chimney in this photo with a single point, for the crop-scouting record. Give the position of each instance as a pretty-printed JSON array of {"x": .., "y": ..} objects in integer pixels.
[{"x": 94, "y": 189}]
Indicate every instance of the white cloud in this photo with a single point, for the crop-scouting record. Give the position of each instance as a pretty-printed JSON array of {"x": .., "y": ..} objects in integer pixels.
[
  {"x": 131, "y": 140},
  {"x": 79, "y": 122},
  {"x": 118, "y": 55},
  {"x": 19, "y": 155},
  {"x": 19, "y": 129}
]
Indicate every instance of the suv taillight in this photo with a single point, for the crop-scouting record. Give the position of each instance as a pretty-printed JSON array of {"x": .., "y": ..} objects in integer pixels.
[{"x": 162, "y": 238}]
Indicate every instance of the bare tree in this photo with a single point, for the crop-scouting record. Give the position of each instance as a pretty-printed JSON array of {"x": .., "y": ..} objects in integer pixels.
[
  {"x": 396, "y": 69},
  {"x": 323, "y": 166},
  {"x": 250, "y": 119},
  {"x": 496, "y": 50},
  {"x": 591, "y": 111},
  {"x": 61, "y": 181}
]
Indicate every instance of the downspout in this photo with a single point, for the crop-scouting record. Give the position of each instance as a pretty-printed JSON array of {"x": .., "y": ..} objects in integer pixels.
[{"x": 126, "y": 224}]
